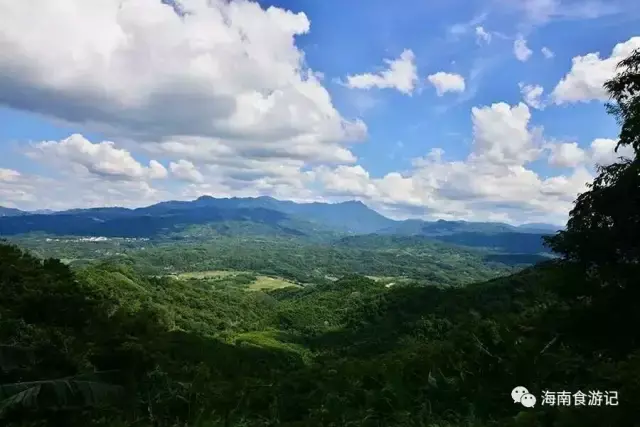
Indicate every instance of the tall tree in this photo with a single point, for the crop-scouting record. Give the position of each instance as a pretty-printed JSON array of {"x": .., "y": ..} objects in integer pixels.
[
  {"x": 602, "y": 238},
  {"x": 603, "y": 231}
]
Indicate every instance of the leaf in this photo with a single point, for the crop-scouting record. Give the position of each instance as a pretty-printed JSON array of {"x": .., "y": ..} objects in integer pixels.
[{"x": 26, "y": 397}]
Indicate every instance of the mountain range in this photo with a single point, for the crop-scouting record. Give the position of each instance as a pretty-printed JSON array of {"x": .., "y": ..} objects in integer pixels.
[{"x": 265, "y": 216}]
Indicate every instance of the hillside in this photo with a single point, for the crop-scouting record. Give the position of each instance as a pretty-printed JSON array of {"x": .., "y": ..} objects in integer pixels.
[
  {"x": 334, "y": 354},
  {"x": 10, "y": 212}
]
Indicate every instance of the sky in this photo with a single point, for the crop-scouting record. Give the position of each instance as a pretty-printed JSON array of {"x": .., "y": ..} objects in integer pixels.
[{"x": 473, "y": 110}]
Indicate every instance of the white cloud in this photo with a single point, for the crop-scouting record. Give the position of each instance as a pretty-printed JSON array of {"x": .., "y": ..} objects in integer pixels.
[
  {"x": 602, "y": 151},
  {"x": 567, "y": 154},
  {"x": 502, "y": 134},
  {"x": 547, "y": 53},
  {"x": 8, "y": 175},
  {"x": 521, "y": 50},
  {"x": 228, "y": 71},
  {"x": 539, "y": 12},
  {"x": 482, "y": 35},
  {"x": 588, "y": 73},
  {"x": 74, "y": 189},
  {"x": 185, "y": 170},
  {"x": 492, "y": 182},
  {"x": 102, "y": 159},
  {"x": 447, "y": 82},
  {"x": 462, "y": 28},
  {"x": 401, "y": 74},
  {"x": 532, "y": 95}
]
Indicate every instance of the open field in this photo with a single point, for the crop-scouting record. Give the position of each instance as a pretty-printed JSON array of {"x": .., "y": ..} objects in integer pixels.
[
  {"x": 267, "y": 283},
  {"x": 259, "y": 283},
  {"x": 211, "y": 274}
]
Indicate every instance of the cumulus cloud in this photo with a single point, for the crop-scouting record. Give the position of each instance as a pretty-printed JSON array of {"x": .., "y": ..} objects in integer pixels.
[
  {"x": 74, "y": 189},
  {"x": 223, "y": 70},
  {"x": 584, "y": 82},
  {"x": 502, "y": 134},
  {"x": 492, "y": 182},
  {"x": 16, "y": 189},
  {"x": 401, "y": 74},
  {"x": 103, "y": 159},
  {"x": 567, "y": 154},
  {"x": 547, "y": 53},
  {"x": 532, "y": 95},
  {"x": 521, "y": 50},
  {"x": 447, "y": 82},
  {"x": 186, "y": 171},
  {"x": 602, "y": 151}
]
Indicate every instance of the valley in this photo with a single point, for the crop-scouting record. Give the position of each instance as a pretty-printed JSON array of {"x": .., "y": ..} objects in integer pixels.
[
  {"x": 250, "y": 313},
  {"x": 304, "y": 243}
]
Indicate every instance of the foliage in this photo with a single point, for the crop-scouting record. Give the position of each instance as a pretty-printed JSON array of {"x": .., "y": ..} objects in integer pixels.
[{"x": 349, "y": 352}]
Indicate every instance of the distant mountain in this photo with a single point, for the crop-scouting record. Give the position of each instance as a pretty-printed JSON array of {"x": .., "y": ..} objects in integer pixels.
[
  {"x": 490, "y": 235},
  {"x": 536, "y": 227},
  {"x": 414, "y": 227},
  {"x": 350, "y": 217},
  {"x": 10, "y": 211},
  {"x": 509, "y": 242},
  {"x": 265, "y": 216},
  {"x": 42, "y": 211},
  {"x": 133, "y": 223}
]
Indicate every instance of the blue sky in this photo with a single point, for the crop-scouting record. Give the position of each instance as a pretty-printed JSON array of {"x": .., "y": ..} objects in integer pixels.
[{"x": 219, "y": 100}]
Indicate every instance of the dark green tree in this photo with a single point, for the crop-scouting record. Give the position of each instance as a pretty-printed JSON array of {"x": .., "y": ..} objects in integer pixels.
[
  {"x": 602, "y": 238},
  {"x": 603, "y": 231}
]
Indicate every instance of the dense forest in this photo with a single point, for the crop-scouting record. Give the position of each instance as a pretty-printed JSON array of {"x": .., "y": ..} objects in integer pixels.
[{"x": 111, "y": 344}]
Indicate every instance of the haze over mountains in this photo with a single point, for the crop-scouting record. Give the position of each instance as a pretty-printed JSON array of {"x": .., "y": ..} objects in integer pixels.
[{"x": 266, "y": 216}]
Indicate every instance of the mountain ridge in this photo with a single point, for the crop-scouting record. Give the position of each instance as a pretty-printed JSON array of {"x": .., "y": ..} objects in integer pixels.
[
  {"x": 271, "y": 202},
  {"x": 208, "y": 216}
]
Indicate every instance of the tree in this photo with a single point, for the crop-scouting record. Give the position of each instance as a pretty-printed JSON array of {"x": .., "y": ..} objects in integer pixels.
[
  {"x": 603, "y": 231},
  {"x": 602, "y": 238}
]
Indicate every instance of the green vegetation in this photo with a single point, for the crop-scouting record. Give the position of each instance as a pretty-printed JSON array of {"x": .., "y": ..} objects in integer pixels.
[
  {"x": 162, "y": 337},
  {"x": 295, "y": 260}
]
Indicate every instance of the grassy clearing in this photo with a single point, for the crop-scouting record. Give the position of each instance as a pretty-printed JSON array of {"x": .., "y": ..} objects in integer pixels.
[
  {"x": 261, "y": 282},
  {"x": 381, "y": 278},
  {"x": 211, "y": 274},
  {"x": 267, "y": 283}
]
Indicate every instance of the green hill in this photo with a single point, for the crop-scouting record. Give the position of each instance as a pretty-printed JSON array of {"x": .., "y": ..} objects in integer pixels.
[{"x": 327, "y": 354}]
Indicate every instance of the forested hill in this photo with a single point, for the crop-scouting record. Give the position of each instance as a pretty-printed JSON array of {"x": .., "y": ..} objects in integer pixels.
[{"x": 105, "y": 346}]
